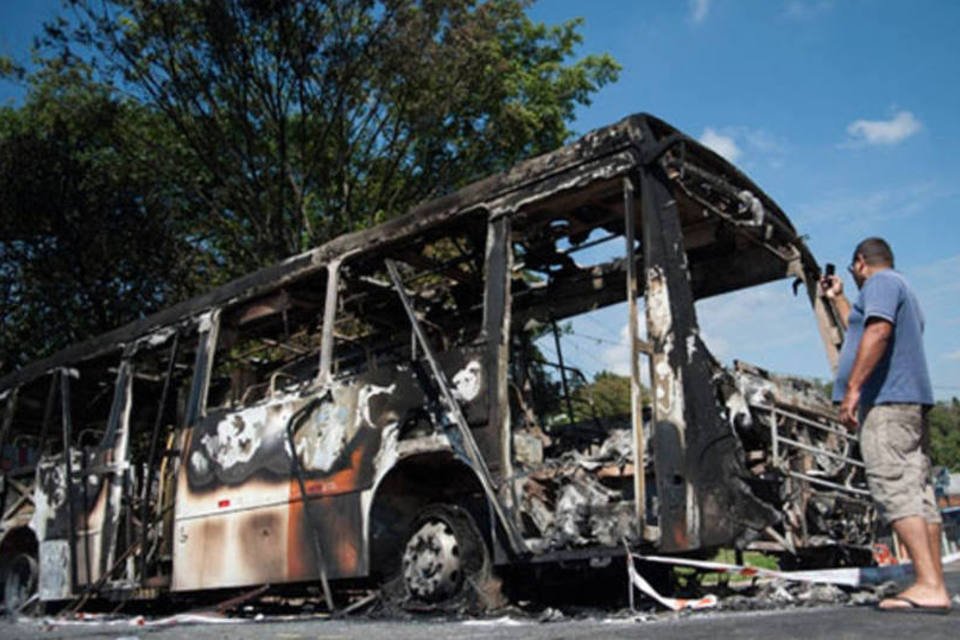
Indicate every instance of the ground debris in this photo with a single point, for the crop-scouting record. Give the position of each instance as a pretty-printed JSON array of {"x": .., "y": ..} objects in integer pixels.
[
  {"x": 551, "y": 615},
  {"x": 777, "y": 594}
]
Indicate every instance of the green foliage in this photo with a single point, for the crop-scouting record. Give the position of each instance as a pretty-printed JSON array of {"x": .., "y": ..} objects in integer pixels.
[
  {"x": 311, "y": 119},
  {"x": 9, "y": 69},
  {"x": 944, "y": 427},
  {"x": 88, "y": 239},
  {"x": 166, "y": 146},
  {"x": 608, "y": 396}
]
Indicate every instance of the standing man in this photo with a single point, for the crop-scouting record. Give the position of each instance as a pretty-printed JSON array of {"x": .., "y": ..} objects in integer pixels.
[{"x": 882, "y": 380}]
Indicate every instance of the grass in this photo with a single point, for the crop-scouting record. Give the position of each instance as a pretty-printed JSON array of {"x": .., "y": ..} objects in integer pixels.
[{"x": 684, "y": 575}]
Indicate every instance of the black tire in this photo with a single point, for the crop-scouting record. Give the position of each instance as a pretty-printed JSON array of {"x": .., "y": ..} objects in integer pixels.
[
  {"x": 20, "y": 583},
  {"x": 444, "y": 562}
]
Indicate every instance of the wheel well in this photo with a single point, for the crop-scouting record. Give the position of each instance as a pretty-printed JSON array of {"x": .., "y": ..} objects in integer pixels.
[
  {"x": 408, "y": 488},
  {"x": 16, "y": 541}
]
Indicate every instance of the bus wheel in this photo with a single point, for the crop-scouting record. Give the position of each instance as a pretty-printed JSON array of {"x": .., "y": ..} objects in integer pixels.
[
  {"x": 445, "y": 557},
  {"x": 20, "y": 583}
]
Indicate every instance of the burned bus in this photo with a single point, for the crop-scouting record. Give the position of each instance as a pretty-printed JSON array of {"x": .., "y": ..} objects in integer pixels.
[{"x": 381, "y": 408}]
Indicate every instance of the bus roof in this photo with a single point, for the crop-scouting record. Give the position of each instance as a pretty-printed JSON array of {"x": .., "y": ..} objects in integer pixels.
[{"x": 603, "y": 153}]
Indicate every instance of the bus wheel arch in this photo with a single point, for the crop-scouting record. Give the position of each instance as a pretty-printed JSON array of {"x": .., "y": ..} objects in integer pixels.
[
  {"x": 426, "y": 508},
  {"x": 19, "y": 572}
]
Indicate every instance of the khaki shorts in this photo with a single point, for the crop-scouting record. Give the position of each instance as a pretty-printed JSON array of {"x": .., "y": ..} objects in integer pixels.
[{"x": 898, "y": 469}]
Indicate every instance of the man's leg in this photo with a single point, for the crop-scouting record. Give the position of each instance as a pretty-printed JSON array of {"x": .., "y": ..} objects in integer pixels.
[
  {"x": 896, "y": 472},
  {"x": 933, "y": 535},
  {"x": 929, "y": 588}
]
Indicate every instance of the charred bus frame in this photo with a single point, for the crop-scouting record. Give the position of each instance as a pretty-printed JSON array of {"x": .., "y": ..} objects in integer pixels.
[{"x": 363, "y": 409}]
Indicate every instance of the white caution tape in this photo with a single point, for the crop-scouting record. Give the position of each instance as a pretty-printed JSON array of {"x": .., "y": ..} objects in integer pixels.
[
  {"x": 675, "y": 604},
  {"x": 846, "y": 576}
]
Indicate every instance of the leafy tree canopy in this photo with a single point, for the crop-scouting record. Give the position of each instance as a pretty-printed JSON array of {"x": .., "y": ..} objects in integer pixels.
[
  {"x": 166, "y": 146},
  {"x": 88, "y": 238},
  {"x": 944, "y": 426},
  {"x": 315, "y": 118}
]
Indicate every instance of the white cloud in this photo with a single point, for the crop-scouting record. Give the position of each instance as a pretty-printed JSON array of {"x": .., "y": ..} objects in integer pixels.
[
  {"x": 955, "y": 355},
  {"x": 883, "y": 132},
  {"x": 725, "y": 145},
  {"x": 617, "y": 358},
  {"x": 765, "y": 325},
  {"x": 699, "y": 10},
  {"x": 738, "y": 143},
  {"x": 761, "y": 141},
  {"x": 861, "y": 211}
]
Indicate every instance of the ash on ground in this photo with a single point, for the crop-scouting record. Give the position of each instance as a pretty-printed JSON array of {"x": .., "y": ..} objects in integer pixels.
[{"x": 779, "y": 594}]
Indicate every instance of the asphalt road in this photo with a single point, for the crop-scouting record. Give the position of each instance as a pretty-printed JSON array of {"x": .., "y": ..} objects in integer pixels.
[{"x": 834, "y": 622}]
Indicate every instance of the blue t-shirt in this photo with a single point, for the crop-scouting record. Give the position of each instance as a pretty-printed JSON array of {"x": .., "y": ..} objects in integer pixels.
[{"x": 901, "y": 375}]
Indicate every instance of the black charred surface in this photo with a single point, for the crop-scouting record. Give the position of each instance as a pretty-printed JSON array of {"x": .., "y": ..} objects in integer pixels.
[
  {"x": 485, "y": 269},
  {"x": 704, "y": 451},
  {"x": 609, "y": 151},
  {"x": 496, "y": 333}
]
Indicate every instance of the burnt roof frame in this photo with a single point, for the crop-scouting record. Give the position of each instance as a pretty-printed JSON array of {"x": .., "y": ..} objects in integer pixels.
[{"x": 605, "y": 153}]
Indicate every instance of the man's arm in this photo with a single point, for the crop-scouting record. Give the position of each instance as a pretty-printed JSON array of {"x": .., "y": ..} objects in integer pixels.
[
  {"x": 843, "y": 309},
  {"x": 873, "y": 344},
  {"x": 832, "y": 288}
]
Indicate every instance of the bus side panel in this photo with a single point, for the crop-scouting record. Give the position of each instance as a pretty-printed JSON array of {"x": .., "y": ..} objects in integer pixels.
[
  {"x": 240, "y": 516},
  {"x": 52, "y": 524}
]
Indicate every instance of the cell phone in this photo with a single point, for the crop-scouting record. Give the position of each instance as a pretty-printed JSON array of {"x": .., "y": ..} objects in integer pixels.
[{"x": 829, "y": 269}]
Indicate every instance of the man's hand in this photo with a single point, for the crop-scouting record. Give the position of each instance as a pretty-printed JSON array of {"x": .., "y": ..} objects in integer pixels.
[
  {"x": 849, "y": 408},
  {"x": 831, "y": 286}
]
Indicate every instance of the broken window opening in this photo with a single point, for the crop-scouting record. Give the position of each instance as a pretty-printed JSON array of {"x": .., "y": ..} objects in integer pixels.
[
  {"x": 442, "y": 274},
  {"x": 570, "y": 412},
  {"x": 162, "y": 370},
  {"x": 269, "y": 346}
]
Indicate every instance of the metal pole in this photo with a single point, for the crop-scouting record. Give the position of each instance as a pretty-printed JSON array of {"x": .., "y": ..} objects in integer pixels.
[
  {"x": 563, "y": 371},
  {"x": 154, "y": 437},
  {"x": 636, "y": 410},
  {"x": 298, "y": 472},
  {"x": 8, "y": 412},
  {"x": 469, "y": 445},
  {"x": 67, "y": 429}
]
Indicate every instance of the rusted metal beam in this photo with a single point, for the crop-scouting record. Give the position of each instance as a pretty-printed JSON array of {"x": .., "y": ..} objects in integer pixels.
[
  {"x": 246, "y": 596},
  {"x": 118, "y": 424},
  {"x": 825, "y": 311},
  {"x": 496, "y": 332}
]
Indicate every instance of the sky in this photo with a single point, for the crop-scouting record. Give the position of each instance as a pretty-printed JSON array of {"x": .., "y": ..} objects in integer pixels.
[{"x": 844, "y": 112}]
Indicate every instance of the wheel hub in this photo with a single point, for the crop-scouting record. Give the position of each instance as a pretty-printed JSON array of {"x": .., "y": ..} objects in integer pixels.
[{"x": 432, "y": 562}]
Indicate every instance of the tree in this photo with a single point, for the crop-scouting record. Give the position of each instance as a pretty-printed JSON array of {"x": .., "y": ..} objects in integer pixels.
[
  {"x": 310, "y": 119},
  {"x": 944, "y": 429},
  {"x": 88, "y": 238},
  {"x": 167, "y": 146},
  {"x": 608, "y": 396}
]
